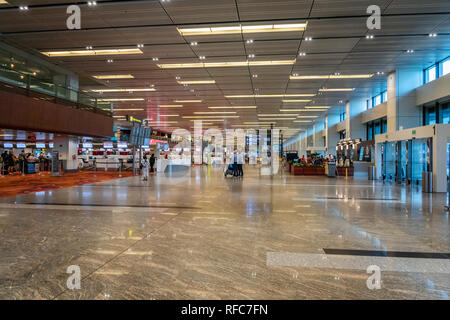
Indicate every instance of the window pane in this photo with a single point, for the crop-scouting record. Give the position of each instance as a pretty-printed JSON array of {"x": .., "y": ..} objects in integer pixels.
[
  {"x": 446, "y": 67},
  {"x": 445, "y": 113},
  {"x": 377, "y": 99},
  {"x": 431, "y": 74}
]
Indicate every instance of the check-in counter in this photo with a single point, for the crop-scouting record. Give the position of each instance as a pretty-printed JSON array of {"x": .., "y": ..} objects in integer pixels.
[{"x": 162, "y": 164}]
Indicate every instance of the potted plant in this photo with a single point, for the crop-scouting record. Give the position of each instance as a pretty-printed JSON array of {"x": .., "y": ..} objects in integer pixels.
[{"x": 297, "y": 169}]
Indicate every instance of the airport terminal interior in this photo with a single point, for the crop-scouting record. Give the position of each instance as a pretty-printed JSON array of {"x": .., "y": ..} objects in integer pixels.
[{"x": 224, "y": 149}]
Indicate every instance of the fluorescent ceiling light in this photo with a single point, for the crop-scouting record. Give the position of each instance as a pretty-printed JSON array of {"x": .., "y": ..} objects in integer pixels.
[
  {"x": 162, "y": 122},
  {"x": 209, "y": 120},
  {"x": 313, "y": 110},
  {"x": 225, "y": 64},
  {"x": 279, "y": 119},
  {"x": 165, "y": 115},
  {"x": 243, "y": 29},
  {"x": 317, "y": 107},
  {"x": 207, "y": 117},
  {"x": 234, "y": 107},
  {"x": 271, "y": 96},
  {"x": 188, "y": 101},
  {"x": 122, "y": 99},
  {"x": 306, "y": 117},
  {"x": 198, "y": 82},
  {"x": 277, "y": 115},
  {"x": 336, "y": 89},
  {"x": 124, "y": 90},
  {"x": 128, "y": 109},
  {"x": 106, "y": 52},
  {"x": 259, "y": 122},
  {"x": 119, "y": 117},
  {"x": 218, "y": 112},
  {"x": 114, "y": 76},
  {"x": 290, "y": 110},
  {"x": 302, "y": 121},
  {"x": 295, "y": 101},
  {"x": 171, "y": 106},
  {"x": 333, "y": 76}
]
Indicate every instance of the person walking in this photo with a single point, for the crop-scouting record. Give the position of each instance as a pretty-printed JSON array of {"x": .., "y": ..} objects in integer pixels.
[
  {"x": 145, "y": 164},
  {"x": 152, "y": 162}
]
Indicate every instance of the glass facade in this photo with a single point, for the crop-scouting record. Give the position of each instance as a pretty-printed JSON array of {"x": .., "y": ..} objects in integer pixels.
[
  {"x": 436, "y": 70},
  {"x": 376, "y": 100},
  {"x": 436, "y": 113},
  {"x": 376, "y": 127}
]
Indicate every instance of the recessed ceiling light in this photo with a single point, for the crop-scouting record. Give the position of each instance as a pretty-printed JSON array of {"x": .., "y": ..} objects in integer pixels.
[
  {"x": 124, "y": 90},
  {"x": 122, "y": 99},
  {"x": 306, "y": 117},
  {"x": 251, "y": 56},
  {"x": 308, "y": 39},
  {"x": 110, "y": 60},
  {"x": 106, "y": 52},
  {"x": 198, "y": 82},
  {"x": 272, "y": 95},
  {"x": 369, "y": 36},
  {"x": 212, "y": 117},
  {"x": 302, "y": 54},
  {"x": 23, "y": 8},
  {"x": 295, "y": 100},
  {"x": 216, "y": 112},
  {"x": 202, "y": 57},
  {"x": 194, "y": 44},
  {"x": 243, "y": 29},
  {"x": 155, "y": 59},
  {"x": 250, "y": 41},
  {"x": 92, "y": 3},
  {"x": 254, "y": 76},
  {"x": 432, "y": 35},
  {"x": 333, "y": 76},
  {"x": 410, "y": 51},
  {"x": 114, "y": 76},
  {"x": 225, "y": 64},
  {"x": 140, "y": 45},
  {"x": 336, "y": 89},
  {"x": 277, "y": 115},
  {"x": 234, "y": 107}
]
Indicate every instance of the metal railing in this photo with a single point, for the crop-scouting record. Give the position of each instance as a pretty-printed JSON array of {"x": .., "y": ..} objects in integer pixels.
[{"x": 53, "y": 92}]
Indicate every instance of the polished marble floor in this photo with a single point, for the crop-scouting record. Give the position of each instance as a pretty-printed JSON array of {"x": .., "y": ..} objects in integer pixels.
[{"x": 196, "y": 235}]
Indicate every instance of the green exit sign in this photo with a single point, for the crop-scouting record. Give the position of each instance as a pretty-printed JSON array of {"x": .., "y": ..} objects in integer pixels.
[
  {"x": 414, "y": 132},
  {"x": 387, "y": 136}
]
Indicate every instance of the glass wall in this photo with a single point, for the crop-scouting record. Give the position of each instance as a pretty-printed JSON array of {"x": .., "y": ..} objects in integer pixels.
[
  {"x": 438, "y": 69},
  {"x": 376, "y": 127},
  {"x": 436, "y": 113},
  {"x": 389, "y": 156}
]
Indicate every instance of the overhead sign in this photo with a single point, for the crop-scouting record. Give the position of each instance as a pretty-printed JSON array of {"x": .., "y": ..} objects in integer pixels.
[{"x": 133, "y": 119}]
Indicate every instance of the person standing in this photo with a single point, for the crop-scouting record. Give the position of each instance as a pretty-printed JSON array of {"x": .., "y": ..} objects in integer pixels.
[
  {"x": 145, "y": 165},
  {"x": 152, "y": 162}
]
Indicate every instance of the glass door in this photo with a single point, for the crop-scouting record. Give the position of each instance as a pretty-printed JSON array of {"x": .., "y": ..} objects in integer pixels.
[{"x": 389, "y": 161}]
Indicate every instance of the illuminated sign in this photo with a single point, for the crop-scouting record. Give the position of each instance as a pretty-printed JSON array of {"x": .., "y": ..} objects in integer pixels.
[
  {"x": 21, "y": 145},
  {"x": 40, "y": 145},
  {"x": 122, "y": 145},
  {"x": 108, "y": 145},
  {"x": 87, "y": 145},
  {"x": 8, "y": 145},
  {"x": 133, "y": 119}
]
